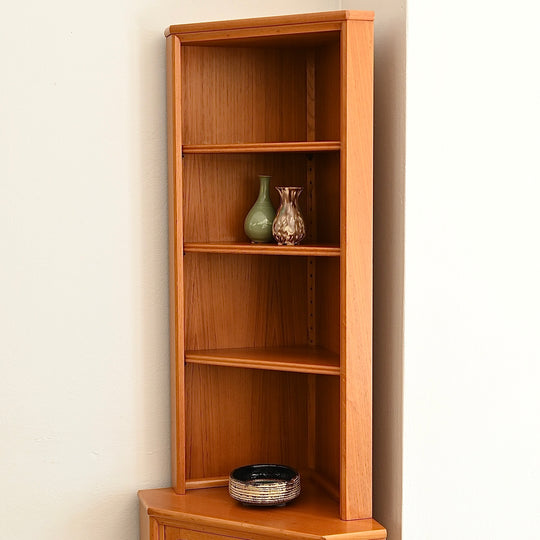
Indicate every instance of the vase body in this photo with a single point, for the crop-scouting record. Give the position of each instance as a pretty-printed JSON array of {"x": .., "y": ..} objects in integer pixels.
[
  {"x": 258, "y": 222},
  {"x": 288, "y": 228}
]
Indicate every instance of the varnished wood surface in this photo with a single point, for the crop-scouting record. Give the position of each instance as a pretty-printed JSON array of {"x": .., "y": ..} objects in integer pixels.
[
  {"x": 144, "y": 522},
  {"x": 243, "y": 95},
  {"x": 176, "y": 285},
  {"x": 307, "y": 18},
  {"x": 239, "y": 416},
  {"x": 173, "y": 533},
  {"x": 293, "y": 101},
  {"x": 356, "y": 269},
  {"x": 327, "y": 449},
  {"x": 235, "y": 301},
  {"x": 220, "y": 189},
  {"x": 327, "y": 297},
  {"x": 277, "y": 37},
  {"x": 296, "y": 359},
  {"x": 246, "y": 248},
  {"x": 203, "y": 483},
  {"x": 300, "y": 146},
  {"x": 331, "y": 489},
  {"x": 313, "y": 515},
  {"x": 327, "y": 92},
  {"x": 327, "y": 203}
]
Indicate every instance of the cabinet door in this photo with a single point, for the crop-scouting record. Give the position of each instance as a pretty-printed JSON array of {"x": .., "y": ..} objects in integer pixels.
[{"x": 172, "y": 533}]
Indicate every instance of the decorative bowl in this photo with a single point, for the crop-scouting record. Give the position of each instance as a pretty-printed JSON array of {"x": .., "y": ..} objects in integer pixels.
[{"x": 264, "y": 485}]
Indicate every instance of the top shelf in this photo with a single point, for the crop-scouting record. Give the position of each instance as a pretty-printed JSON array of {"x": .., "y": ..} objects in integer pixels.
[
  {"x": 249, "y": 148},
  {"x": 261, "y": 22}
]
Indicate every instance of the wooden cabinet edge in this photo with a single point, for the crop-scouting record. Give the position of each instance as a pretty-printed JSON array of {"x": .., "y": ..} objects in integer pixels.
[
  {"x": 253, "y": 532},
  {"x": 176, "y": 316},
  {"x": 283, "y": 20}
]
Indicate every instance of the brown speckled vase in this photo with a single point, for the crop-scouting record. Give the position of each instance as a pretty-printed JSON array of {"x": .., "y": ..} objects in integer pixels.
[{"x": 288, "y": 228}]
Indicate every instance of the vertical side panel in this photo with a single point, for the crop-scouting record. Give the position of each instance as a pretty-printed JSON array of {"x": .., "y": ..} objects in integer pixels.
[
  {"x": 144, "y": 522},
  {"x": 356, "y": 268},
  {"x": 176, "y": 299}
]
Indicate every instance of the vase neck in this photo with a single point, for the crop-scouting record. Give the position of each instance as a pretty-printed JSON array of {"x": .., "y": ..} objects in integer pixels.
[
  {"x": 264, "y": 187},
  {"x": 289, "y": 195}
]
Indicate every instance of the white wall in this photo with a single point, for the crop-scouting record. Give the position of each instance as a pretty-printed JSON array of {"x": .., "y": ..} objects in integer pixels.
[
  {"x": 83, "y": 267},
  {"x": 472, "y": 272}
]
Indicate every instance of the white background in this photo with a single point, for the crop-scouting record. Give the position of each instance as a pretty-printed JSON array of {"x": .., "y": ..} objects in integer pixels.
[
  {"x": 471, "y": 444},
  {"x": 83, "y": 270}
]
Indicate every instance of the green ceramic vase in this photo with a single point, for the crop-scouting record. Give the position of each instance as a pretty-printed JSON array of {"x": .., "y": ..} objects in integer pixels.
[{"x": 258, "y": 222}]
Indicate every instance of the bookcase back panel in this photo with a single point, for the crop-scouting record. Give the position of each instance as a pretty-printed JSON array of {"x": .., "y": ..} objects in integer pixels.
[
  {"x": 326, "y": 208},
  {"x": 327, "y": 415},
  {"x": 234, "y": 95},
  {"x": 327, "y": 304},
  {"x": 244, "y": 301},
  {"x": 219, "y": 191},
  {"x": 327, "y": 92},
  {"x": 238, "y": 417}
]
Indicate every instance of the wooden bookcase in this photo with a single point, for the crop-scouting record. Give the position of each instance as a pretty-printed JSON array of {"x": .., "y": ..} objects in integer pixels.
[{"x": 270, "y": 345}]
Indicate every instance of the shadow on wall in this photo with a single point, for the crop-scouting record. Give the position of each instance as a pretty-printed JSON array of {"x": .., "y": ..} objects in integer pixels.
[
  {"x": 389, "y": 188},
  {"x": 150, "y": 259}
]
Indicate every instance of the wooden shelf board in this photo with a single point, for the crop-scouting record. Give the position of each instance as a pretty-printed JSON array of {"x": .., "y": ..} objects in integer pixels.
[
  {"x": 246, "y": 248},
  {"x": 313, "y": 515},
  {"x": 297, "y": 359},
  {"x": 315, "y": 146}
]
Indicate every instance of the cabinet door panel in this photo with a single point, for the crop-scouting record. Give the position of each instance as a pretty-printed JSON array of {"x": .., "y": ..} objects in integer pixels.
[{"x": 172, "y": 533}]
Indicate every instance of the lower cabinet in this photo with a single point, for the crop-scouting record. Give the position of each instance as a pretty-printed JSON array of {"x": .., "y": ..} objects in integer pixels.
[
  {"x": 210, "y": 514},
  {"x": 173, "y": 533}
]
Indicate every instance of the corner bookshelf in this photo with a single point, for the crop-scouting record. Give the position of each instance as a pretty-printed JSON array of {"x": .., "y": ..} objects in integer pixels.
[{"x": 270, "y": 345}]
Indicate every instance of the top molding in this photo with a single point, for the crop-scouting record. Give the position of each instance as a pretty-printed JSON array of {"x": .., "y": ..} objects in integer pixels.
[{"x": 239, "y": 24}]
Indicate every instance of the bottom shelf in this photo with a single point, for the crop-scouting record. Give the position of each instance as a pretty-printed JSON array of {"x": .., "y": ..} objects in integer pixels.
[{"x": 212, "y": 511}]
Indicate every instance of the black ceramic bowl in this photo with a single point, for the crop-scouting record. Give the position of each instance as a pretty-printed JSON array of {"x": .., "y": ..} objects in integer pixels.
[{"x": 264, "y": 485}]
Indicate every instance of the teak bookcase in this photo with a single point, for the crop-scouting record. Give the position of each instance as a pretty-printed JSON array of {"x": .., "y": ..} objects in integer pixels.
[{"x": 270, "y": 345}]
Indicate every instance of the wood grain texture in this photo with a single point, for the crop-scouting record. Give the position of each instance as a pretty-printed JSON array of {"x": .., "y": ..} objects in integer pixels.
[
  {"x": 327, "y": 296},
  {"x": 172, "y": 533},
  {"x": 290, "y": 97},
  {"x": 243, "y": 95},
  {"x": 204, "y": 483},
  {"x": 294, "y": 359},
  {"x": 313, "y": 515},
  {"x": 311, "y": 146},
  {"x": 235, "y": 301},
  {"x": 327, "y": 200},
  {"x": 239, "y": 416},
  {"x": 176, "y": 285},
  {"x": 267, "y": 36},
  {"x": 327, "y": 91},
  {"x": 284, "y": 20},
  {"x": 312, "y": 419},
  {"x": 297, "y": 36},
  {"x": 245, "y": 248},
  {"x": 356, "y": 269},
  {"x": 157, "y": 530},
  {"x": 144, "y": 522},
  {"x": 331, "y": 489},
  {"x": 219, "y": 191},
  {"x": 327, "y": 458},
  {"x": 310, "y": 95},
  {"x": 208, "y": 532}
]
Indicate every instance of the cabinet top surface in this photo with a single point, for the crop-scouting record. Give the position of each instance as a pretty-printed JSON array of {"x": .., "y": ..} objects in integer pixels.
[
  {"x": 313, "y": 515},
  {"x": 307, "y": 18}
]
